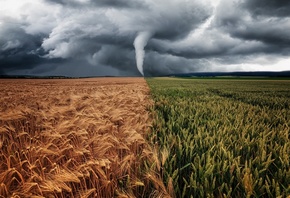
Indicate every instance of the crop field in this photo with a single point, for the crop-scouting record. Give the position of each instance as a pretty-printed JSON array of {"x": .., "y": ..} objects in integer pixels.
[
  {"x": 117, "y": 137},
  {"x": 222, "y": 138},
  {"x": 76, "y": 138}
]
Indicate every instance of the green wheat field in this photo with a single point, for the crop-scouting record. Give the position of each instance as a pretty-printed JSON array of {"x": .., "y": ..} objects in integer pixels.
[{"x": 222, "y": 137}]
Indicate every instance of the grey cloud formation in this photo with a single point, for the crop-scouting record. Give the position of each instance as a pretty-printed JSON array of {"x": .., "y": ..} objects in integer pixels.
[
  {"x": 267, "y": 26},
  {"x": 100, "y": 3},
  {"x": 268, "y": 7},
  {"x": 89, "y": 37},
  {"x": 17, "y": 48}
]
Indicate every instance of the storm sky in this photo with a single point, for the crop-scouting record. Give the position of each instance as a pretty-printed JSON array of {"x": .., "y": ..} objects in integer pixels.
[{"x": 106, "y": 37}]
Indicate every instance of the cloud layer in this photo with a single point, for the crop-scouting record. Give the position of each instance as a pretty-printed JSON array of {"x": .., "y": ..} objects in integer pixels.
[{"x": 88, "y": 37}]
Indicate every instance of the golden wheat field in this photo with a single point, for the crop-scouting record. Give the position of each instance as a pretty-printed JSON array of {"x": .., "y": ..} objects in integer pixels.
[{"x": 76, "y": 138}]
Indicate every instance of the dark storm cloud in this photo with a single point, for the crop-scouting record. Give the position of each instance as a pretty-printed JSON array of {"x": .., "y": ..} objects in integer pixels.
[
  {"x": 166, "y": 64},
  {"x": 2, "y": 72},
  {"x": 240, "y": 23},
  {"x": 77, "y": 68},
  {"x": 17, "y": 48},
  {"x": 106, "y": 36},
  {"x": 268, "y": 7},
  {"x": 116, "y": 57},
  {"x": 100, "y": 3},
  {"x": 119, "y": 3},
  {"x": 259, "y": 24},
  {"x": 177, "y": 35}
]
